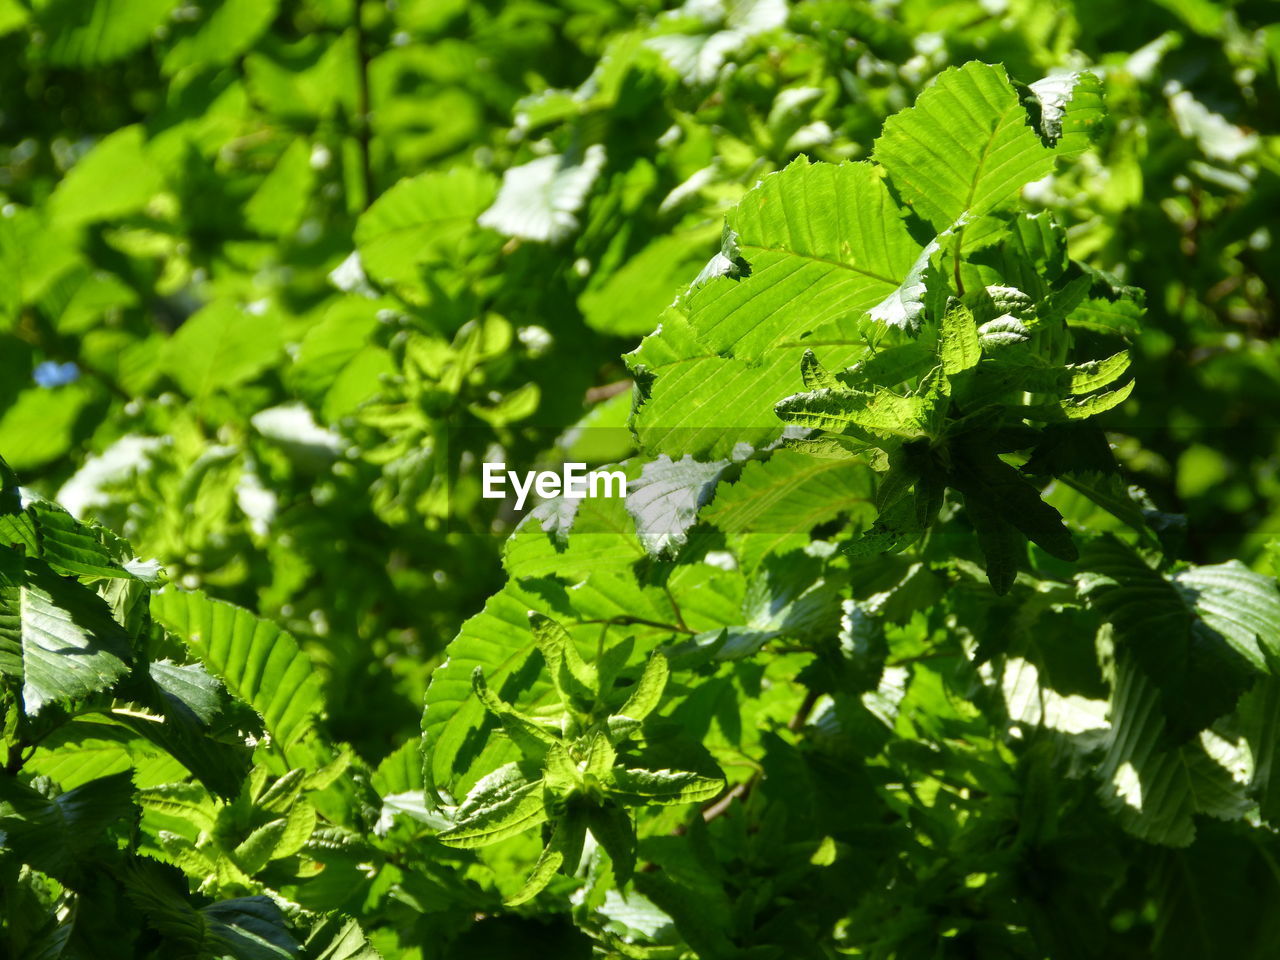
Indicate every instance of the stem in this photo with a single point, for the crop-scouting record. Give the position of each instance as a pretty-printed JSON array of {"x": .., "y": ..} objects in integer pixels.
[
  {"x": 604, "y": 630},
  {"x": 640, "y": 621},
  {"x": 675, "y": 608},
  {"x": 14, "y": 761},
  {"x": 802, "y": 714}
]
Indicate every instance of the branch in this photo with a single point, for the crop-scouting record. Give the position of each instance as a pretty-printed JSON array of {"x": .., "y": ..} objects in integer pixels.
[{"x": 597, "y": 394}]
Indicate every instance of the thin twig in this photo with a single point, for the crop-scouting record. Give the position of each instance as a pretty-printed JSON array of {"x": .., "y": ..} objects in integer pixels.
[
  {"x": 720, "y": 807},
  {"x": 608, "y": 390},
  {"x": 739, "y": 791}
]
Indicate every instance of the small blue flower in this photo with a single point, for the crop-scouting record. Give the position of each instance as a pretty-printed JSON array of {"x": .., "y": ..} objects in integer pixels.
[{"x": 52, "y": 374}]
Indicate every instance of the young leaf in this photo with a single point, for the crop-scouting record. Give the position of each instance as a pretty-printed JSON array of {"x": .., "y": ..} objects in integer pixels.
[
  {"x": 646, "y": 696},
  {"x": 574, "y": 679},
  {"x": 1004, "y": 331},
  {"x": 531, "y": 737},
  {"x": 814, "y": 374},
  {"x": 563, "y": 851},
  {"x": 1093, "y": 374},
  {"x": 612, "y": 828},
  {"x": 876, "y": 412},
  {"x": 984, "y": 476},
  {"x": 664, "y": 787},
  {"x": 959, "y": 347},
  {"x": 500, "y": 805},
  {"x": 1001, "y": 545},
  {"x": 904, "y": 307}
]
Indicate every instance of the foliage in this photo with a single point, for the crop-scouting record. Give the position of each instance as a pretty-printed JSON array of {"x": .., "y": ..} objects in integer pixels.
[{"x": 941, "y": 618}]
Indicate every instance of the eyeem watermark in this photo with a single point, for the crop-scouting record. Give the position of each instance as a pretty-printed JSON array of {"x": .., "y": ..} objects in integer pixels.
[{"x": 574, "y": 481}]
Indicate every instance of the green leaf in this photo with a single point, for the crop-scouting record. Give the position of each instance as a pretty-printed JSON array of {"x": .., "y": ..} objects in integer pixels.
[
  {"x": 499, "y": 640},
  {"x": 665, "y": 499},
  {"x": 824, "y": 241},
  {"x": 57, "y": 834},
  {"x": 201, "y": 727},
  {"x": 984, "y": 476},
  {"x": 246, "y": 928},
  {"x": 562, "y": 851},
  {"x": 959, "y": 347},
  {"x": 338, "y": 938},
  {"x": 419, "y": 221},
  {"x": 560, "y": 773},
  {"x": 502, "y": 804},
  {"x": 859, "y": 412},
  {"x": 187, "y": 803},
  {"x": 81, "y": 751},
  {"x": 814, "y": 374},
  {"x": 601, "y": 757},
  {"x": 539, "y": 200},
  {"x": 1153, "y": 790},
  {"x": 965, "y": 148},
  {"x": 627, "y": 302},
  {"x": 227, "y": 30},
  {"x": 822, "y": 245},
  {"x": 689, "y": 887},
  {"x": 603, "y": 541},
  {"x": 10, "y": 495},
  {"x": 41, "y": 425},
  {"x": 1238, "y": 604},
  {"x": 1093, "y": 374},
  {"x": 70, "y": 546},
  {"x": 1119, "y": 317},
  {"x": 56, "y": 636},
  {"x": 789, "y": 494},
  {"x": 277, "y": 206},
  {"x": 256, "y": 660},
  {"x": 1072, "y": 110},
  {"x": 664, "y": 787},
  {"x": 1003, "y": 331},
  {"x": 531, "y": 737},
  {"x": 646, "y": 696},
  {"x": 906, "y": 305},
  {"x": 1201, "y": 635},
  {"x": 1001, "y": 545},
  {"x": 612, "y": 828},
  {"x": 114, "y": 179},
  {"x": 91, "y": 32},
  {"x": 221, "y": 346},
  {"x": 574, "y": 679},
  {"x": 1079, "y": 408}
]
